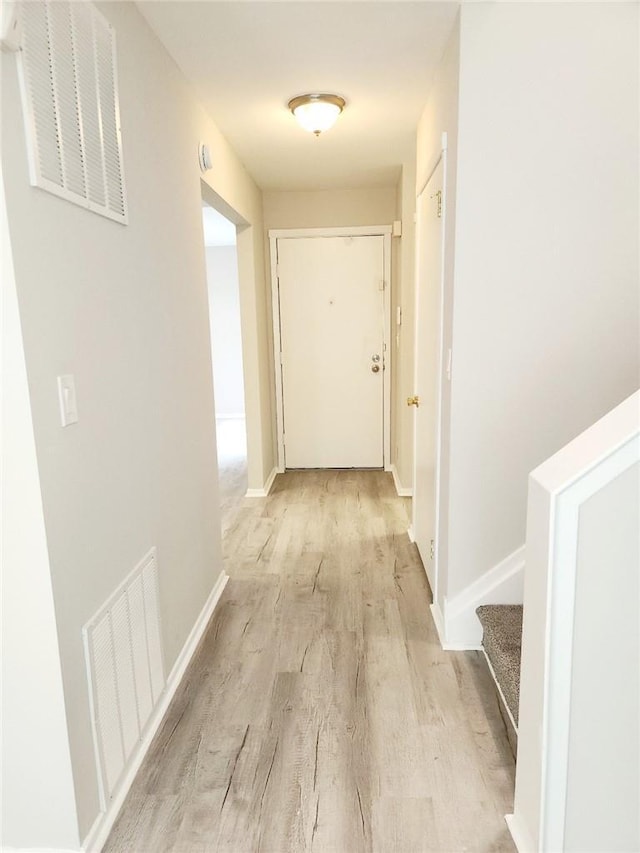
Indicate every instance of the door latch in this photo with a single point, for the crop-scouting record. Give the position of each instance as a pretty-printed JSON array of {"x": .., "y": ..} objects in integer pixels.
[{"x": 413, "y": 401}]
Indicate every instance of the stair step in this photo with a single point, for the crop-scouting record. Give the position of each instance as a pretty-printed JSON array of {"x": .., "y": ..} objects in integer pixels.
[{"x": 502, "y": 642}]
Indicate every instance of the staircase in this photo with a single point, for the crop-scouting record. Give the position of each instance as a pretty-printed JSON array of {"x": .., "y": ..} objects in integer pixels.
[{"x": 502, "y": 644}]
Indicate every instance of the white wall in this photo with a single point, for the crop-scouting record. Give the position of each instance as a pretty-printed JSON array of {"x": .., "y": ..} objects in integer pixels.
[
  {"x": 36, "y": 764},
  {"x": 125, "y": 310},
  {"x": 545, "y": 317},
  {"x": 226, "y": 333},
  {"x": 329, "y": 208},
  {"x": 439, "y": 116},
  {"x": 257, "y": 355}
]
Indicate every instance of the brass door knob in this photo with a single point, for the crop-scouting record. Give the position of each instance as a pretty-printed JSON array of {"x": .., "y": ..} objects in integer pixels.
[{"x": 413, "y": 401}]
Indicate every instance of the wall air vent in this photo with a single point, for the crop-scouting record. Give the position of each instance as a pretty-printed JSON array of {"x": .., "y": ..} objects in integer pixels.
[
  {"x": 70, "y": 100},
  {"x": 123, "y": 651}
]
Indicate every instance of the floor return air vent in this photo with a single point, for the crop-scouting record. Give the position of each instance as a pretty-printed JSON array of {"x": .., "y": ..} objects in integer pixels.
[{"x": 123, "y": 649}]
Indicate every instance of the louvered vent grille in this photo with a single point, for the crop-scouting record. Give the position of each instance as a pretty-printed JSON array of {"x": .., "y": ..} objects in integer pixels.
[
  {"x": 126, "y": 673},
  {"x": 70, "y": 98}
]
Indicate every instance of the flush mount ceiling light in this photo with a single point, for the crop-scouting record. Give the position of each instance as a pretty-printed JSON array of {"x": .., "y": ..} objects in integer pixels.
[{"x": 316, "y": 113}]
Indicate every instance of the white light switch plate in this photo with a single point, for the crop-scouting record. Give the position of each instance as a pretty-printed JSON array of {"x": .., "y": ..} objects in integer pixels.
[{"x": 67, "y": 395}]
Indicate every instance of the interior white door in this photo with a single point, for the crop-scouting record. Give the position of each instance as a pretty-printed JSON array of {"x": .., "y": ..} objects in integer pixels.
[
  {"x": 427, "y": 366},
  {"x": 331, "y": 301}
]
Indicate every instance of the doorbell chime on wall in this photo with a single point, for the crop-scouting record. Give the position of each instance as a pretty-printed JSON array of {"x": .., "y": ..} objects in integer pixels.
[{"x": 204, "y": 157}]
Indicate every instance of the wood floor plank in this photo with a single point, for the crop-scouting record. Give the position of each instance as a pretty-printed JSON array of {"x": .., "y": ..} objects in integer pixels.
[
  {"x": 319, "y": 712},
  {"x": 406, "y": 824}
]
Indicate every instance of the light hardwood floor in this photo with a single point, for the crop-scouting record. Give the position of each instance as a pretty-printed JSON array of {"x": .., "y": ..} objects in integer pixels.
[{"x": 320, "y": 713}]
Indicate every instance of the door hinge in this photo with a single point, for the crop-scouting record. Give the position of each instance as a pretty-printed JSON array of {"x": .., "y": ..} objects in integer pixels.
[
  {"x": 432, "y": 549},
  {"x": 438, "y": 195}
]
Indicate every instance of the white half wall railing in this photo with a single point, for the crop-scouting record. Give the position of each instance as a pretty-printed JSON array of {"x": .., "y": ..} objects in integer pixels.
[{"x": 577, "y": 774}]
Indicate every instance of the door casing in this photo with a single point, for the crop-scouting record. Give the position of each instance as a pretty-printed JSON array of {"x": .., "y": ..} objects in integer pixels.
[
  {"x": 442, "y": 159},
  {"x": 349, "y": 231}
]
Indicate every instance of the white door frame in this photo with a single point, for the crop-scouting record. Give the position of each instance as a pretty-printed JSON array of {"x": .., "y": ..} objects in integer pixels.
[
  {"x": 349, "y": 231},
  {"x": 441, "y": 158}
]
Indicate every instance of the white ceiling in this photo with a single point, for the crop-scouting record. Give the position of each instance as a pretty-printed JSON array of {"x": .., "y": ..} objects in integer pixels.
[
  {"x": 218, "y": 231},
  {"x": 247, "y": 59}
]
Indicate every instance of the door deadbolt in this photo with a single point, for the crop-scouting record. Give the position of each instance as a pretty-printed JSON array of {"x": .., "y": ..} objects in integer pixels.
[
  {"x": 375, "y": 368},
  {"x": 375, "y": 358}
]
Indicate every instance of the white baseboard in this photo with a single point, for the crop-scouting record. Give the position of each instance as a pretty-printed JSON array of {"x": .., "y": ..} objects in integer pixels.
[
  {"x": 264, "y": 492},
  {"x": 411, "y": 534},
  {"x": 520, "y": 835},
  {"x": 400, "y": 489},
  {"x": 103, "y": 825},
  {"x": 460, "y": 628},
  {"x": 439, "y": 622},
  {"x": 195, "y": 635}
]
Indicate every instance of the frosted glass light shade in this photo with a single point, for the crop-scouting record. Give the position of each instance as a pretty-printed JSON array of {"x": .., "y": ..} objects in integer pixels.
[{"x": 316, "y": 113}]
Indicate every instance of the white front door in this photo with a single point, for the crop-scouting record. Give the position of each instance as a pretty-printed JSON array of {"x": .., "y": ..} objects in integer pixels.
[
  {"x": 331, "y": 304},
  {"x": 427, "y": 366}
]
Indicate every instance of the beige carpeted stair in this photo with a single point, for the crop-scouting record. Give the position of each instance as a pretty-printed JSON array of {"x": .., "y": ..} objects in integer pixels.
[{"x": 502, "y": 642}]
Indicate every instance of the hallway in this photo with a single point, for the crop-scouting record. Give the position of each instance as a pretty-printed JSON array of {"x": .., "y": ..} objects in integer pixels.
[
  {"x": 231, "y": 443},
  {"x": 320, "y": 713}
]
